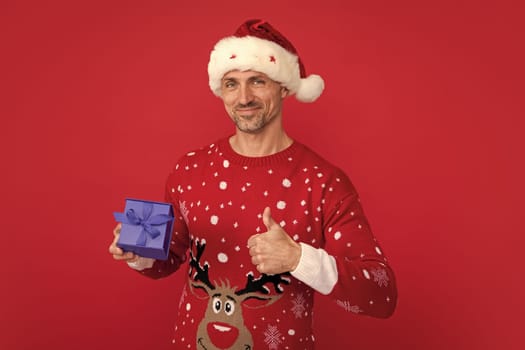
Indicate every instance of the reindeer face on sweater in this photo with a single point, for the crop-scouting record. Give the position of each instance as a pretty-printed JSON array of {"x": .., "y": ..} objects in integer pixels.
[{"x": 223, "y": 324}]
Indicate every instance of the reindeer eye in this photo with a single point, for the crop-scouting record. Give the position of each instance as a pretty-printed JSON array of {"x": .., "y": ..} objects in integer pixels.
[
  {"x": 229, "y": 308},
  {"x": 217, "y": 305}
]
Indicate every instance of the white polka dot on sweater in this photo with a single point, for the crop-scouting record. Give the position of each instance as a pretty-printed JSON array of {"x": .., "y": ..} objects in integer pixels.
[{"x": 223, "y": 258}]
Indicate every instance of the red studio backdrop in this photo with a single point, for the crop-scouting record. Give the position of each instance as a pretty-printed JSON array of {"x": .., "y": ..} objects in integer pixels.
[{"x": 423, "y": 108}]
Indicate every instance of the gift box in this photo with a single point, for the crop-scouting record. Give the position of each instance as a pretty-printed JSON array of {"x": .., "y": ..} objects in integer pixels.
[{"x": 146, "y": 228}]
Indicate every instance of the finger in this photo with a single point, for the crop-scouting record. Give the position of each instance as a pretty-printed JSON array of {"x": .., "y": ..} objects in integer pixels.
[
  {"x": 118, "y": 253},
  {"x": 255, "y": 260},
  {"x": 252, "y": 241},
  {"x": 116, "y": 230},
  {"x": 260, "y": 268},
  {"x": 254, "y": 250},
  {"x": 126, "y": 256},
  {"x": 268, "y": 221},
  {"x": 113, "y": 246},
  {"x": 135, "y": 258},
  {"x": 113, "y": 249}
]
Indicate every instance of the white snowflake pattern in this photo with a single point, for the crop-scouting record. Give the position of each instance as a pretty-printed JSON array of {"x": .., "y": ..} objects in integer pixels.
[
  {"x": 184, "y": 211},
  {"x": 348, "y": 307},
  {"x": 298, "y": 306},
  {"x": 272, "y": 337},
  {"x": 380, "y": 277}
]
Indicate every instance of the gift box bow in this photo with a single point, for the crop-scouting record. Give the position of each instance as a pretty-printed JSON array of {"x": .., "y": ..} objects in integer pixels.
[{"x": 146, "y": 221}]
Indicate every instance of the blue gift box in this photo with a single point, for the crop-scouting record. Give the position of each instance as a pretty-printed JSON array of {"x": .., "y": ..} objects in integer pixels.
[{"x": 146, "y": 228}]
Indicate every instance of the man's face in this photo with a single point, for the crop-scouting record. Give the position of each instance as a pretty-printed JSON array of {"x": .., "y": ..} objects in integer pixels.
[{"x": 252, "y": 99}]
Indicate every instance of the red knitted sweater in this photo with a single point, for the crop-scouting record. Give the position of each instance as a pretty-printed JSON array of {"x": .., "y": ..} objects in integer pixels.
[{"x": 218, "y": 197}]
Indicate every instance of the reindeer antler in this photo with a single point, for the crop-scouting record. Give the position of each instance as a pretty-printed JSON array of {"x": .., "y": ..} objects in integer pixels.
[
  {"x": 198, "y": 272},
  {"x": 258, "y": 285}
]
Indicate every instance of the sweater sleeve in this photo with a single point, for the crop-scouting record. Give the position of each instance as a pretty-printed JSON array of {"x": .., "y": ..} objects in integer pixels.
[
  {"x": 365, "y": 281},
  {"x": 316, "y": 268},
  {"x": 179, "y": 242}
]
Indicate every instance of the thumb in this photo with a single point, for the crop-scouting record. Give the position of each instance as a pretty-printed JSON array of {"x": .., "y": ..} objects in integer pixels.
[{"x": 268, "y": 221}]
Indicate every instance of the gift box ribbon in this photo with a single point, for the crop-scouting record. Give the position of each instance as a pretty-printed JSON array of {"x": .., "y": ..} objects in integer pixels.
[{"x": 146, "y": 221}]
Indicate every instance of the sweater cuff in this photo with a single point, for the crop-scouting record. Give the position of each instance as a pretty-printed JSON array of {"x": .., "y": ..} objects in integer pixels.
[
  {"x": 141, "y": 263},
  {"x": 316, "y": 268}
]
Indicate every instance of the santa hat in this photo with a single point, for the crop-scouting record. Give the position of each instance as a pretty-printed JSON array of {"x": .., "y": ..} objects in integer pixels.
[{"x": 257, "y": 46}]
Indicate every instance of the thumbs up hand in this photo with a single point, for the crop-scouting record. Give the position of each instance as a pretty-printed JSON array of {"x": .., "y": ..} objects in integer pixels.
[{"x": 274, "y": 251}]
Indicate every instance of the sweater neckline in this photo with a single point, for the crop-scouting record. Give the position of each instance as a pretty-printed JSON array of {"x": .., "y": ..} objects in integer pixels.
[{"x": 286, "y": 155}]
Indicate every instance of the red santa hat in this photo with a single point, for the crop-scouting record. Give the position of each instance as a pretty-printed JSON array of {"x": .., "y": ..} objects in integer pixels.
[{"x": 257, "y": 46}]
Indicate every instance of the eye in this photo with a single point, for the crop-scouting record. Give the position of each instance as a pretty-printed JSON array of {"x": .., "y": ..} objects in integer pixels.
[
  {"x": 229, "y": 308},
  {"x": 229, "y": 84},
  {"x": 217, "y": 305}
]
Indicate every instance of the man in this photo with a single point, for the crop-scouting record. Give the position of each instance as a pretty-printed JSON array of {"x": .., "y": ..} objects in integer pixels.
[{"x": 264, "y": 220}]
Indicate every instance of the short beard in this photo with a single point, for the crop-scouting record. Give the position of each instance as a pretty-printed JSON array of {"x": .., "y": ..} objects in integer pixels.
[
  {"x": 252, "y": 129},
  {"x": 259, "y": 118}
]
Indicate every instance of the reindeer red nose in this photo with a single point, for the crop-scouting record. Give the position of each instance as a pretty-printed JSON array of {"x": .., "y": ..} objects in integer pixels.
[{"x": 222, "y": 335}]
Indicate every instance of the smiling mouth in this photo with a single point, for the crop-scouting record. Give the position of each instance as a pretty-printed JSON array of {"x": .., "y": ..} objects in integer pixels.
[
  {"x": 246, "y": 110},
  {"x": 222, "y": 335},
  {"x": 248, "y": 107}
]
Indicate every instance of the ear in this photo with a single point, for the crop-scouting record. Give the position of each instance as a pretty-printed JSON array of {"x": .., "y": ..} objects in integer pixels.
[
  {"x": 284, "y": 92},
  {"x": 200, "y": 290}
]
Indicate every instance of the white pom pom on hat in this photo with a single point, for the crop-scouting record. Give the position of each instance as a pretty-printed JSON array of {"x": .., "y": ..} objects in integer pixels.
[{"x": 257, "y": 46}]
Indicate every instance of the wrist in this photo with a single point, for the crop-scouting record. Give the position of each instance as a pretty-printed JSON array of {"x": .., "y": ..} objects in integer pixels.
[
  {"x": 296, "y": 254},
  {"x": 141, "y": 263}
]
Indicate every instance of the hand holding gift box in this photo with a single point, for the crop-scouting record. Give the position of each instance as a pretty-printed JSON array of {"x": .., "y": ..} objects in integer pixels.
[{"x": 146, "y": 228}]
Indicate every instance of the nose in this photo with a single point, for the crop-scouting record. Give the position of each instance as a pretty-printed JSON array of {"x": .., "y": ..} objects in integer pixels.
[{"x": 245, "y": 94}]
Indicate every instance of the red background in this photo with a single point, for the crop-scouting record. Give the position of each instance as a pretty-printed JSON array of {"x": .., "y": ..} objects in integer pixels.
[{"x": 423, "y": 109}]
